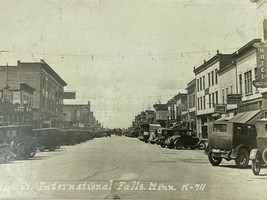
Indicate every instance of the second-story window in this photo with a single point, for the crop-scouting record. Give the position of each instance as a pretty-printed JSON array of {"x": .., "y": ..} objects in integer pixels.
[
  {"x": 216, "y": 76},
  {"x": 204, "y": 102},
  {"x": 223, "y": 96},
  {"x": 240, "y": 83},
  {"x": 209, "y": 79},
  {"x": 209, "y": 100},
  {"x": 212, "y": 78},
  {"x": 200, "y": 84},
  {"x": 256, "y": 76},
  {"x": 248, "y": 82},
  {"x": 203, "y": 82},
  {"x": 216, "y": 97},
  {"x": 212, "y": 99}
]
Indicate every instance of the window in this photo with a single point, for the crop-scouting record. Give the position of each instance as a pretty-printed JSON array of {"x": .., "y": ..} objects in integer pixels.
[
  {"x": 200, "y": 84},
  {"x": 209, "y": 100},
  {"x": 220, "y": 127},
  {"x": 265, "y": 29},
  {"x": 212, "y": 78},
  {"x": 203, "y": 82},
  {"x": 226, "y": 93},
  {"x": 200, "y": 103},
  {"x": 248, "y": 82},
  {"x": 223, "y": 96},
  {"x": 256, "y": 76},
  {"x": 251, "y": 130},
  {"x": 212, "y": 99},
  {"x": 204, "y": 102},
  {"x": 231, "y": 89},
  {"x": 240, "y": 83},
  {"x": 216, "y": 97},
  {"x": 216, "y": 76},
  {"x": 209, "y": 79}
]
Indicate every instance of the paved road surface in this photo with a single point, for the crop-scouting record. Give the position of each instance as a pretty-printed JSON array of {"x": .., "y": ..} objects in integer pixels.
[{"x": 126, "y": 168}]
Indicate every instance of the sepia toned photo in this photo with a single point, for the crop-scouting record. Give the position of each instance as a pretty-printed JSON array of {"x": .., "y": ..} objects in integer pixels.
[{"x": 133, "y": 99}]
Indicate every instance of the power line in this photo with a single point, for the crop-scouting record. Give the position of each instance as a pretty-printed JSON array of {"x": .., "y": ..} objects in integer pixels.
[{"x": 121, "y": 55}]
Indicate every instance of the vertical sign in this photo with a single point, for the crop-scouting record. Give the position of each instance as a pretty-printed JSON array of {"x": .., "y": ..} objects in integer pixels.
[{"x": 261, "y": 51}]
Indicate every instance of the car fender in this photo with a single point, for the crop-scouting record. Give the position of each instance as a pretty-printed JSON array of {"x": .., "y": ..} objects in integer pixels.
[
  {"x": 253, "y": 154},
  {"x": 200, "y": 141},
  {"x": 208, "y": 150},
  {"x": 235, "y": 151}
]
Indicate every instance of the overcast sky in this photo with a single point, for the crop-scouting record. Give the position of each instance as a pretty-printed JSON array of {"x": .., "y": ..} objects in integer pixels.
[{"x": 123, "y": 55}]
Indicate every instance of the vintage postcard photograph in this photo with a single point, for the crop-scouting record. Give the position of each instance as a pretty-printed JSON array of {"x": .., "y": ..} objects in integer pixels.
[{"x": 133, "y": 99}]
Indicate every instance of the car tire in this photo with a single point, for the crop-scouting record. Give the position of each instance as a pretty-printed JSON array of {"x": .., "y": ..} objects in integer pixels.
[
  {"x": 242, "y": 158},
  {"x": 256, "y": 166},
  {"x": 202, "y": 146},
  {"x": 178, "y": 145},
  {"x": 215, "y": 161}
]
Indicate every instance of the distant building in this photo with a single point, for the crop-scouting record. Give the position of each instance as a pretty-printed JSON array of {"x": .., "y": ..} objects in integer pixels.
[
  {"x": 49, "y": 89},
  {"x": 78, "y": 115},
  {"x": 189, "y": 112},
  {"x": 161, "y": 114}
]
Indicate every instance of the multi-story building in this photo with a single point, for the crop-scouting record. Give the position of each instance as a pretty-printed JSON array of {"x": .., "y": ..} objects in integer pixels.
[
  {"x": 78, "y": 115},
  {"x": 189, "y": 113},
  {"x": 246, "y": 73},
  {"x": 175, "y": 107},
  {"x": 162, "y": 115},
  {"x": 16, "y": 105},
  {"x": 207, "y": 91},
  {"x": 48, "y": 85}
]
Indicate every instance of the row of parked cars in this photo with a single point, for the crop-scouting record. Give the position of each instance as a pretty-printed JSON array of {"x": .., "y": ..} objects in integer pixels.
[
  {"x": 170, "y": 137},
  {"x": 241, "y": 138},
  {"x": 20, "y": 142}
]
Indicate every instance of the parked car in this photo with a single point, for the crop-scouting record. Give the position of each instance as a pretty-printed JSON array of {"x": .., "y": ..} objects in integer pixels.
[
  {"x": 184, "y": 138},
  {"x": 68, "y": 137},
  {"x": 189, "y": 139},
  {"x": 259, "y": 155},
  {"x": 233, "y": 139},
  {"x": 19, "y": 141},
  {"x": 148, "y": 132},
  {"x": 47, "y": 138},
  {"x": 163, "y": 134},
  {"x": 133, "y": 134}
]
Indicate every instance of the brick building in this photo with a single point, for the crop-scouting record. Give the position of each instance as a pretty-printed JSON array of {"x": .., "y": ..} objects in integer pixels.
[
  {"x": 78, "y": 115},
  {"x": 47, "y": 99}
]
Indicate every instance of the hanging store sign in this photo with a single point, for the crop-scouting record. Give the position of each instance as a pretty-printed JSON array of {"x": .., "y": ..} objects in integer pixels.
[
  {"x": 220, "y": 108},
  {"x": 234, "y": 98},
  {"x": 261, "y": 51}
]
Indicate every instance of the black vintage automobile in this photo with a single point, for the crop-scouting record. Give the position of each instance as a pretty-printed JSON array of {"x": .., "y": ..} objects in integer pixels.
[
  {"x": 17, "y": 142},
  {"x": 163, "y": 134},
  {"x": 184, "y": 138},
  {"x": 68, "y": 137},
  {"x": 47, "y": 138},
  {"x": 258, "y": 156},
  {"x": 233, "y": 139}
]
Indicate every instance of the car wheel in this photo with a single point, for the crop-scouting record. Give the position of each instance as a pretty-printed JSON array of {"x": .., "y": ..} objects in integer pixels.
[
  {"x": 178, "y": 145},
  {"x": 215, "y": 161},
  {"x": 202, "y": 146},
  {"x": 22, "y": 152},
  {"x": 163, "y": 145},
  {"x": 242, "y": 158},
  {"x": 256, "y": 166}
]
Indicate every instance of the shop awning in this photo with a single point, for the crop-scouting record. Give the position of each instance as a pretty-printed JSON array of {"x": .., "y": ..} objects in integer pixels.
[{"x": 246, "y": 117}]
